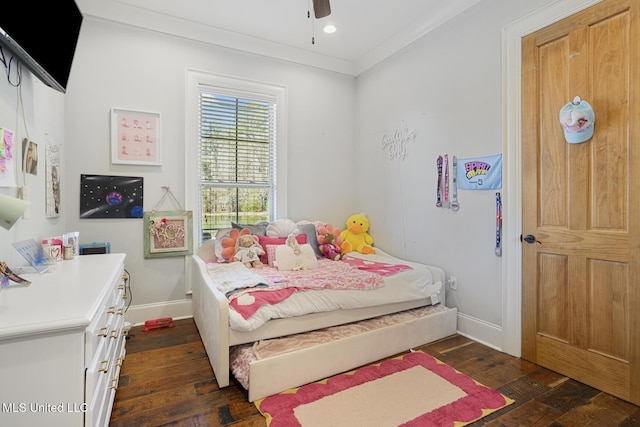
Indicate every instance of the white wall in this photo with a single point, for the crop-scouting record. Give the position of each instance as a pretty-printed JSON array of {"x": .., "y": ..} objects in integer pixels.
[
  {"x": 41, "y": 117},
  {"x": 447, "y": 88},
  {"x": 124, "y": 67}
]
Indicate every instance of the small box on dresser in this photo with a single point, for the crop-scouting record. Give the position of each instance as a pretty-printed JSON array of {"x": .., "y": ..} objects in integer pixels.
[{"x": 62, "y": 342}]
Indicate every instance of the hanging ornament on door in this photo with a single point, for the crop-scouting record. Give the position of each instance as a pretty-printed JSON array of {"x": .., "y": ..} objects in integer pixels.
[{"x": 577, "y": 119}]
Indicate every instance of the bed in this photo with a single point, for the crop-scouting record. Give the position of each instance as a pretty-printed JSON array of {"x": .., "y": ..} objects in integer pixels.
[{"x": 223, "y": 329}]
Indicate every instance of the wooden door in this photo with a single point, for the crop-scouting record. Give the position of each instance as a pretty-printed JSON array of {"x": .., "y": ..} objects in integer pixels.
[{"x": 581, "y": 202}]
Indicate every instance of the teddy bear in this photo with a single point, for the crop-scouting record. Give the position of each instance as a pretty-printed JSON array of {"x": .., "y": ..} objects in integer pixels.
[
  {"x": 355, "y": 237},
  {"x": 329, "y": 247},
  {"x": 323, "y": 228},
  {"x": 248, "y": 250}
]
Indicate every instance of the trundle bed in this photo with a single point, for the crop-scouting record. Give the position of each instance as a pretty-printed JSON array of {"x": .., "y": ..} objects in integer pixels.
[{"x": 268, "y": 350}]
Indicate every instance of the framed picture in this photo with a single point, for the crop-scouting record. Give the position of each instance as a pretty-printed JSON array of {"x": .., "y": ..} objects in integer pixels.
[
  {"x": 29, "y": 157},
  {"x": 53, "y": 174},
  {"x": 135, "y": 137},
  {"x": 167, "y": 233},
  {"x": 105, "y": 196}
]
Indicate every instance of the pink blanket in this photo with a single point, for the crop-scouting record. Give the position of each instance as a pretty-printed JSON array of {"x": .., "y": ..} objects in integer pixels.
[
  {"x": 381, "y": 268},
  {"x": 328, "y": 275}
]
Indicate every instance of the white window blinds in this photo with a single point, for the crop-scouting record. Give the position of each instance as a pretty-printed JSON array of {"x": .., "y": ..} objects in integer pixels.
[{"x": 237, "y": 158}]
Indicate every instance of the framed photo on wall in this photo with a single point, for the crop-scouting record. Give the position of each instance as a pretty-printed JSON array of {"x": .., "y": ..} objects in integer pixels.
[
  {"x": 167, "y": 233},
  {"x": 52, "y": 180},
  {"x": 106, "y": 196},
  {"x": 135, "y": 137}
]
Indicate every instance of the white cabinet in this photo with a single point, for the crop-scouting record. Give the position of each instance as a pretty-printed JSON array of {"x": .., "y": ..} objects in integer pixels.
[{"x": 62, "y": 342}]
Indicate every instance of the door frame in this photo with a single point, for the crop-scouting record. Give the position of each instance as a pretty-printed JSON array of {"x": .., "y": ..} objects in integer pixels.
[{"x": 512, "y": 36}]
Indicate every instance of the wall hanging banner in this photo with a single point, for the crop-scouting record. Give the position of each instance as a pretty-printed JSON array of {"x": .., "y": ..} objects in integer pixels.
[{"x": 480, "y": 173}]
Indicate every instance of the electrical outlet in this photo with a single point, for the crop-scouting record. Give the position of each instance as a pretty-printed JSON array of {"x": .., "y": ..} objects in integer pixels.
[{"x": 453, "y": 282}]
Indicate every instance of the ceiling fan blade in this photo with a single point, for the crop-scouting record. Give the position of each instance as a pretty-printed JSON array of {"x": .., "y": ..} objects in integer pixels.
[{"x": 321, "y": 8}]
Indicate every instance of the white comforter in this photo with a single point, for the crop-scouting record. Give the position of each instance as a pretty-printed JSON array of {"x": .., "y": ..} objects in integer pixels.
[{"x": 417, "y": 283}]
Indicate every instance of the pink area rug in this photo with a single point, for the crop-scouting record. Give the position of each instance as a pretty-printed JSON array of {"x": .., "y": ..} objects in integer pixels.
[{"x": 415, "y": 389}]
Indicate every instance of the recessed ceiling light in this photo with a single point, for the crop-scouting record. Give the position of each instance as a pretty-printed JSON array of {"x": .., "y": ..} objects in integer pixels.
[{"x": 330, "y": 28}]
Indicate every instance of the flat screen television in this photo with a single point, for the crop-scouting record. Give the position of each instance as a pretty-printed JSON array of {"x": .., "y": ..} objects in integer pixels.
[{"x": 45, "y": 47}]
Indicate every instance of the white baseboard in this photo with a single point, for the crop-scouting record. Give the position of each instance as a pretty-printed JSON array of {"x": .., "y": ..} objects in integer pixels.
[
  {"x": 138, "y": 314},
  {"x": 480, "y": 331},
  {"x": 470, "y": 327}
]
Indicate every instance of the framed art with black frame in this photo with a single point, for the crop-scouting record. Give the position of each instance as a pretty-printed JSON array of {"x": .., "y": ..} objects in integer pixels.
[{"x": 106, "y": 196}]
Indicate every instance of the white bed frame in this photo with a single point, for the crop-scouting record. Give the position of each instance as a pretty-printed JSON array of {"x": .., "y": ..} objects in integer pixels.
[{"x": 211, "y": 315}]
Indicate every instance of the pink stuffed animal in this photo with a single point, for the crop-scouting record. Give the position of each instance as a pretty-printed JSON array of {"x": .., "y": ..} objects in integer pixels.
[{"x": 329, "y": 248}]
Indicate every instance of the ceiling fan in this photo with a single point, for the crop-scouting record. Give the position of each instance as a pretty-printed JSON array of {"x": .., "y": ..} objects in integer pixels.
[{"x": 321, "y": 8}]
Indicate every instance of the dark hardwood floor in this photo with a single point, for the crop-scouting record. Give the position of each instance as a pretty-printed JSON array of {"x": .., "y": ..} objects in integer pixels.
[{"x": 166, "y": 380}]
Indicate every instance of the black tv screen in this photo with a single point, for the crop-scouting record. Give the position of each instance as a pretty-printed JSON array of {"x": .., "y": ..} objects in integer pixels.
[{"x": 46, "y": 47}]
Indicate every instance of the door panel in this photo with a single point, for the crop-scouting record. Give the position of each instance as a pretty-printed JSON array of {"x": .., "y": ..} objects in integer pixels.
[
  {"x": 609, "y": 41},
  {"x": 581, "y": 201},
  {"x": 608, "y": 322},
  {"x": 554, "y": 78},
  {"x": 553, "y": 297}
]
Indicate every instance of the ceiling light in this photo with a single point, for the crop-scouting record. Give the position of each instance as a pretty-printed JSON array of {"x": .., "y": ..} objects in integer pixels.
[{"x": 330, "y": 28}]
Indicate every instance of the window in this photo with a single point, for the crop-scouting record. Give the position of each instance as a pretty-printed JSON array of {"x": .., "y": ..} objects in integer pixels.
[
  {"x": 232, "y": 172},
  {"x": 237, "y": 179}
]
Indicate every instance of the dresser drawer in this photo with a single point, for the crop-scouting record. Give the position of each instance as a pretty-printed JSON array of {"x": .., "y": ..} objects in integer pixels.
[
  {"x": 105, "y": 341},
  {"x": 110, "y": 312},
  {"x": 62, "y": 353},
  {"x": 103, "y": 376}
]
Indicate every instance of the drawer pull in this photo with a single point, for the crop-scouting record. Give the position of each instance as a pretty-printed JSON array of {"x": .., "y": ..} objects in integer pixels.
[
  {"x": 111, "y": 309},
  {"x": 120, "y": 312},
  {"x": 119, "y": 362},
  {"x": 114, "y": 384},
  {"x": 114, "y": 334},
  {"x": 104, "y": 366},
  {"x": 103, "y": 331}
]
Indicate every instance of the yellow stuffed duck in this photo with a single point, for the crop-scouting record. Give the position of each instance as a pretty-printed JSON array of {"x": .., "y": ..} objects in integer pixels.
[{"x": 355, "y": 237}]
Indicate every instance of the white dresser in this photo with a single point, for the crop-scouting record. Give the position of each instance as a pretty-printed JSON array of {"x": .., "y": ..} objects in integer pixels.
[{"x": 62, "y": 341}]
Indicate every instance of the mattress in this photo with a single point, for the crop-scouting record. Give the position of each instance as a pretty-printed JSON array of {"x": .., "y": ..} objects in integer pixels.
[{"x": 419, "y": 282}]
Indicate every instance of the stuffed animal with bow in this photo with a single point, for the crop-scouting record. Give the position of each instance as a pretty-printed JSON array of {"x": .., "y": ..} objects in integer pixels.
[{"x": 329, "y": 247}]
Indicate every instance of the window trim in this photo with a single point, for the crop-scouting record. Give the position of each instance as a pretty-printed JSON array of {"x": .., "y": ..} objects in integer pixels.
[{"x": 237, "y": 87}]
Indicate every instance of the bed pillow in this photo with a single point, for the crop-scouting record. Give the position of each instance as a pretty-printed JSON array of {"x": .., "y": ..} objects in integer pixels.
[
  {"x": 220, "y": 234},
  {"x": 266, "y": 240},
  {"x": 287, "y": 260},
  {"x": 271, "y": 255},
  {"x": 259, "y": 229},
  {"x": 282, "y": 228},
  {"x": 223, "y": 232},
  {"x": 208, "y": 251},
  {"x": 312, "y": 237}
]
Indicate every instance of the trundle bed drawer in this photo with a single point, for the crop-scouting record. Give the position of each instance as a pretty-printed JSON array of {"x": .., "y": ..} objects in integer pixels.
[{"x": 293, "y": 368}]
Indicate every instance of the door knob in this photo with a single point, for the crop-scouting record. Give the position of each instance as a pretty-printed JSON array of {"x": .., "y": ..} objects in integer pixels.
[{"x": 530, "y": 238}]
